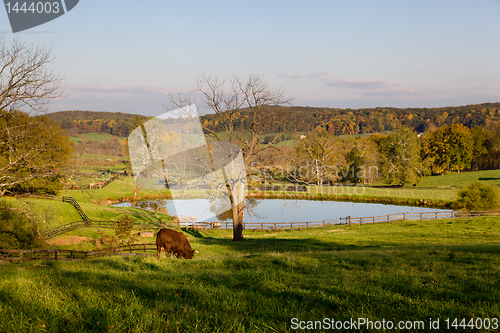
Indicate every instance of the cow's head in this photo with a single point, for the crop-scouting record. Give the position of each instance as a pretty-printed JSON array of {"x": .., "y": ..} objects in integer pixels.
[{"x": 189, "y": 254}]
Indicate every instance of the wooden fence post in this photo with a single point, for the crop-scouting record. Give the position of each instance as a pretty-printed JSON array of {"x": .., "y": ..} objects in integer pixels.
[{"x": 349, "y": 220}]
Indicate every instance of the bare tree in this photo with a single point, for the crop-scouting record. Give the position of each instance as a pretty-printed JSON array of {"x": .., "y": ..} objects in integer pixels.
[
  {"x": 26, "y": 82},
  {"x": 228, "y": 99}
]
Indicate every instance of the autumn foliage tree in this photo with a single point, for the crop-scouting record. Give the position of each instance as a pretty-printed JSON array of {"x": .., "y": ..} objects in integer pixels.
[
  {"x": 318, "y": 157},
  {"x": 400, "y": 157},
  {"x": 449, "y": 148}
]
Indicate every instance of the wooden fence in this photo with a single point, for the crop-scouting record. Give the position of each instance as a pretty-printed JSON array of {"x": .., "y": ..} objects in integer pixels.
[
  {"x": 144, "y": 225},
  {"x": 134, "y": 248},
  {"x": 75, "y": 204},
  {"x": 416, "y": 216},
  {"x": 106, "y": 225},
  {"x": 20, "y": 255}
]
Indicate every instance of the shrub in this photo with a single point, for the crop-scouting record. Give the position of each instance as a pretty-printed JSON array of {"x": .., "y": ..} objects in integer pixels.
[
  {"x": 16, "y": 230},
  {"x": 123, "y": 229},
  {"x": 478, "y": 196}
]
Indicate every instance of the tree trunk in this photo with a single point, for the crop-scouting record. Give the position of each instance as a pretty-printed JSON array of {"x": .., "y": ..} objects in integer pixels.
[{"x": 238, "y": 214}]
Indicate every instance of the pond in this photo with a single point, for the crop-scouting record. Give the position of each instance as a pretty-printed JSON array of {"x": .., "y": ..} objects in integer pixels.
[{"x": 281, "y": 210}]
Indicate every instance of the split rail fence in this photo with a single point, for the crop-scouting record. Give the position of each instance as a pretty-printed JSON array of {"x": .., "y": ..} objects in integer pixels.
[
  {"x": 62, "y": 229},
  {"x": 20, "y": 255},
  {"x": 416, "y": 216},
  {"x": 273, "y": 225}
]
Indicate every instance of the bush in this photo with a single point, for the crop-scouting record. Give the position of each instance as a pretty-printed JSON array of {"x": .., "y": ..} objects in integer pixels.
[
  {"x": 123, "y": 229},
  {"x": 123, "y": 235},
  {"x": 16, "y": 231},
  {"x": 478, "y": 196}
]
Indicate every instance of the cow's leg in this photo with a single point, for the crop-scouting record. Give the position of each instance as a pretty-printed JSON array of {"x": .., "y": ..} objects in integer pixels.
[{"x": 159, "y": 251}]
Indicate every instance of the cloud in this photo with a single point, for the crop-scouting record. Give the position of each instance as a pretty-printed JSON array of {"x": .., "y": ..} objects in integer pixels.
[
  {"x": 309, "y": 75},
  {"x": 128, "y": 90},
  {"x": 371, "y": 87}
]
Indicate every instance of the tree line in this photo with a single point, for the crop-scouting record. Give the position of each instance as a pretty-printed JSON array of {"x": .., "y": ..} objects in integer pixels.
[
  {"x": 361, "y": 121},
  {"x": 401, "y": 157},
  {"x": 299, "y": 119},
  {"x": 79, "y": 122}
]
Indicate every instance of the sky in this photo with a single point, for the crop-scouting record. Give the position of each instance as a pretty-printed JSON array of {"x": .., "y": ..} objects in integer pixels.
[{"x": 127, "y": 56}]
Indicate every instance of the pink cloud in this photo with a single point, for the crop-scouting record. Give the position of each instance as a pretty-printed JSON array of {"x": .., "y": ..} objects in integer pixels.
[{"x": 309, "y": 75}]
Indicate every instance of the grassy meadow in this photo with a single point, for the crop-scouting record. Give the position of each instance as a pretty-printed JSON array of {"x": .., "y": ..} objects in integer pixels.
[
  {"x": 101, "y": 137},
  {"x": 406, "y": 270}
]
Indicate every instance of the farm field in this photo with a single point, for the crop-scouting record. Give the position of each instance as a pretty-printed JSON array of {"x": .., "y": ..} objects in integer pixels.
[
  {"x": 409, "y": 271},
  {"x": 459, "y": 180},
  {"x": 101, "y": 137}
]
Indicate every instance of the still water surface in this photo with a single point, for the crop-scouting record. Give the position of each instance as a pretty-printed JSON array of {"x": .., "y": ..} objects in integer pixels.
[{"x": 280, "y": 210}]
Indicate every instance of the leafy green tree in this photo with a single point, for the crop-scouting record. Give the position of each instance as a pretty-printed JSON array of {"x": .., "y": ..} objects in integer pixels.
[
  {"x": 450, "y": 148},
  {"x": 362, "y": 160},
  {"x": 33, "y": 153},
  {"x": 16, "y": 230},
  {"x": 478, "y": 196},
  {"x": 480, "y": 150},
  {"x": 493, "y": 145},
  {"x": 318, "y": 157},
  {"x": 123, "y": 229},
  {"x": 400, "y": 157}
]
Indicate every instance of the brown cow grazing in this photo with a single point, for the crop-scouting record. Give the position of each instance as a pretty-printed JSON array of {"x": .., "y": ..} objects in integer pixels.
[{"x": 173, "y": 241}]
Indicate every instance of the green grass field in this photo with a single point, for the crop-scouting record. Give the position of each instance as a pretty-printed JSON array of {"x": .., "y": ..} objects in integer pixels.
[
  {"x": 459, "y": 180},
  {"x": 101, "y": 137},
  {"x": 401, "y": 271}
]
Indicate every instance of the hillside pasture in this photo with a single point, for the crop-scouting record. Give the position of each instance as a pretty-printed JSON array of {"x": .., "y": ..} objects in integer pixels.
[{"x": 401, "y": 271}]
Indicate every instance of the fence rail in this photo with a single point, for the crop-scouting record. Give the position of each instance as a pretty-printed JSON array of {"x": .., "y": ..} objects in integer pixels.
[
  {"x": 20, "y": 255},
  {"x": 75, "y": 204},
  {"x": 144, "y": 225},
  {"x": 104, "y": 224},
  {"x": 416, "y": 216}
]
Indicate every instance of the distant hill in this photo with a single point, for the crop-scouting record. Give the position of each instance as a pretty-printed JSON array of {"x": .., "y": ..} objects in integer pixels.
[
  {"x": 301, "y": 119},
  {"x": 364, "y": 121},
  {"x": 78, "y": 122}
]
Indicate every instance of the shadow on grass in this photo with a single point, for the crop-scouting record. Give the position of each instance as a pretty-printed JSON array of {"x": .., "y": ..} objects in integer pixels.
[
  {"x": 258, "y": 287},
  {"x": 489, "y": 178},
  {"x": 193, "y": 232}
]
